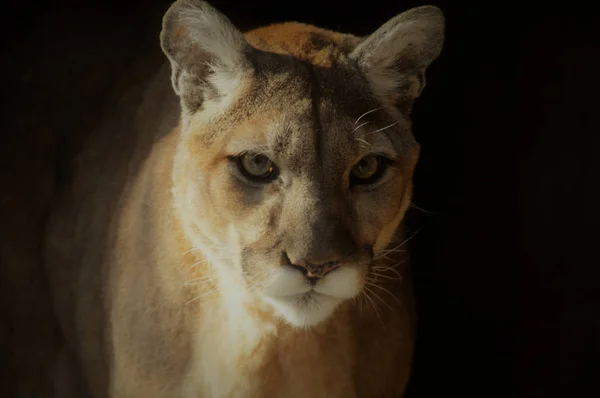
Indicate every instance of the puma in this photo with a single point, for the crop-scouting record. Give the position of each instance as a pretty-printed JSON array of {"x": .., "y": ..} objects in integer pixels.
[{"x": 239, "y": 234}]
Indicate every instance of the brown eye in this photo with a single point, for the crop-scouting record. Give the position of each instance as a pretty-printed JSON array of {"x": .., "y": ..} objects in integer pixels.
[
  {"x": 368, "y": 170},
  {"x": 257, "y": 167}
]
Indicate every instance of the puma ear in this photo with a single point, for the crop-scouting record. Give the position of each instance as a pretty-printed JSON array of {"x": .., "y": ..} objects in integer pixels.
[
  {"x": 208, "y": 54},
  {"x": 395, "y": 56}
]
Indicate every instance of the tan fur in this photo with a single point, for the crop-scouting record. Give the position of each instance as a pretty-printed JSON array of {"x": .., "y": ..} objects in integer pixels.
[
  {"x": 162, "y": 259},
  {"x": 309, "y": 43}
]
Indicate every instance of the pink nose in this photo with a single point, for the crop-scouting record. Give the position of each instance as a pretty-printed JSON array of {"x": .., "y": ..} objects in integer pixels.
[{"x": 314, "y": 272}]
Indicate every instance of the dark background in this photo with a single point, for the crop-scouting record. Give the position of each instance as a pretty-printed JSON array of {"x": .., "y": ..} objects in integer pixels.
[{"x": 506, "y": 265}]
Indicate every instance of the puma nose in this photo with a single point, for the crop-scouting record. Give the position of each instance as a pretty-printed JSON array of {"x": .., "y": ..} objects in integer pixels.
[{"x": 314, "y": 272}]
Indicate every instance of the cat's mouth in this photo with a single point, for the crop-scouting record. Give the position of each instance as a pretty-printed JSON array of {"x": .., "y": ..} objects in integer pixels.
[
  {"x": 343, "y": 283},
  {"x": 302, "y": 303}
]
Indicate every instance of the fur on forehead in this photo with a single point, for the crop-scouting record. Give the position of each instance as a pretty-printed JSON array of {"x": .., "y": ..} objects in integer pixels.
[
  {"x": 261, "y": 105},
  {"x": 210, "y": 58}
]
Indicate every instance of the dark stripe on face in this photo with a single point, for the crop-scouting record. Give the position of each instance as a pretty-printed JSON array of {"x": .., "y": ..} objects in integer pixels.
[{"x": 316, "y": 96}]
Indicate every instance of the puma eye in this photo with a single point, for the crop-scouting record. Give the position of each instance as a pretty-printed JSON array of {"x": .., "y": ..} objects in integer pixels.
[
  {"x": 368, "y": 170},
  {"x": 256, "y": 167}
]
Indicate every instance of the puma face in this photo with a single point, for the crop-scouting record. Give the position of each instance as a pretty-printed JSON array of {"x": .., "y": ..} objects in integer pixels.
[{"x": 296, "y": 155}]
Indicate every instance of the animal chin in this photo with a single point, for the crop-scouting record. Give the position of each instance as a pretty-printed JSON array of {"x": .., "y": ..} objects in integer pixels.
[{"x": 304, "y": 310}]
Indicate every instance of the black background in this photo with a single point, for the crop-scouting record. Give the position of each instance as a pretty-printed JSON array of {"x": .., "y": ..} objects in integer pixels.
[{"x": 506, "y": 264}]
